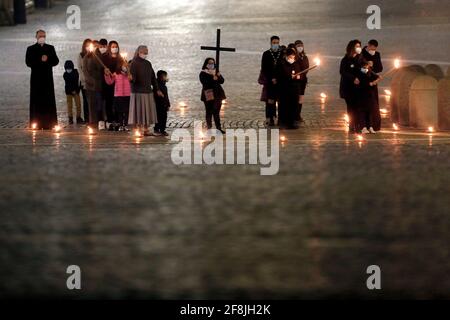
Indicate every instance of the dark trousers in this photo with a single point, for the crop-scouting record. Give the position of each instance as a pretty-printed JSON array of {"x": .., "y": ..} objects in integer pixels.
[
  {"x": 85, "y": 104},
  {"x": 108, "y": 100},
  {"x": 161, "y": 113},
  {"x": 96, "y": 110},
  {"x": 271, "y": 110},
  {"x": 213, "y": 111}
]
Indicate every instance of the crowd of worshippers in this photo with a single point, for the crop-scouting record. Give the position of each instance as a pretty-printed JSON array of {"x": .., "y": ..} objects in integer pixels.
[
  {"x": 284, "y": 82},
  {"x": 118, "y": 93}
]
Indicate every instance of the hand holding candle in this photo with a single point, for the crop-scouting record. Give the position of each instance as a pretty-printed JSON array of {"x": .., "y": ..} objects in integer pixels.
[{"x": 317, "y": 63}]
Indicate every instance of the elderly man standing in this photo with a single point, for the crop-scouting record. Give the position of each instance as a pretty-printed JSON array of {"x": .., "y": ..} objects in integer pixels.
[{"x": 41, "y": 58}]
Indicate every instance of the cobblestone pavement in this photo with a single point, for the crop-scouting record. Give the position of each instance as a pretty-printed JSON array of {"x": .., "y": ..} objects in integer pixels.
[{"x": 141, "y": 227}]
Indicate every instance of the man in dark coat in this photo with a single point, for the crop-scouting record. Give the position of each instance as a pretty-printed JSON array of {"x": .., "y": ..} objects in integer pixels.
[
  {"x": 370, "y": 54},
  {"x": 269, "y": 63},
  {"x": 41, "y": 58}
]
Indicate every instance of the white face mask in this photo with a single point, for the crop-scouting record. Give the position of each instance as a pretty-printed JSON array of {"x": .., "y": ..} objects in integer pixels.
[
  {"x": 372, "y": 52},
  {"x": 114, "y": 50},
  {"x": 364, "y": 70},
  {"x": 124, "y": 69},
  {"x": 69, "y": 70},
  {"x": 143, "y": 56},
  {"x": 300, "y": 49},
  {"x": 41, "y": 40},
  {"x": 290, "y": 61},
  {"x": 211, "y": 66},
  {"x": 102, "y": 50},
  {"x": 358, "y": 50}
]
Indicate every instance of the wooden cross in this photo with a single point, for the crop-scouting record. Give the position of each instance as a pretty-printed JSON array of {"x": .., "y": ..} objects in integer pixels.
[{"x": 217, "y": 49}]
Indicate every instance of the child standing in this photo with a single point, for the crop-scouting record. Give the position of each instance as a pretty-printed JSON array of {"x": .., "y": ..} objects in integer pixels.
[
  {"x": 162, "y": 103},
  {"x": 72, "y": 88},
  {"x": 122, "y": 91},
  {"x": 369, "y": 119}
]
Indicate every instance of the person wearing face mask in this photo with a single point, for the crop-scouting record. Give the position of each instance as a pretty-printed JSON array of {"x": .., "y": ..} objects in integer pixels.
[
  {"x": 112, "y": 60},
  {"x": 83, "y": 53},
  {"x": 269, "y": 63},
  {"x": 72, "y": 88},
  {"x": 212, "y": 92},
  {"x": 371, "y": 54},
  {"x": 368, "y": 112},
  {"x": 41, "y": 58},
  {"x": 162, "y": 103},
  {"x": 93, "y": 76},
  {"x": 106, "y": 117},
  {"x": 350, "y": 72},
  {"x": 120, "y": 80},
  {"x": 303, "y": 62},
  {"x": 143, "y": 84},
  {"x": 288, "y": 79}
]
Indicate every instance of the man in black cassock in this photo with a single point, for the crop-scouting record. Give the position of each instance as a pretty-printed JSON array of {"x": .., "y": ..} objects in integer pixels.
[{"x": 41, "y": 58}]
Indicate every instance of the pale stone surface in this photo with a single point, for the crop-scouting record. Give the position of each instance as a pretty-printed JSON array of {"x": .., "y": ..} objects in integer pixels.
[
  {"x": 434, "y": 71},
  {"x": 423, "y": 102},
  {"x": 444, "y": 104}
]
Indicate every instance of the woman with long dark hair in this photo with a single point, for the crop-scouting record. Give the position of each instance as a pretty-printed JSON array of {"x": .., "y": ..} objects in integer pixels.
[
  {"x": 212, "y": 92},
  {"x": 350, "y": 72},
  {"x": 83, "y": 53}
]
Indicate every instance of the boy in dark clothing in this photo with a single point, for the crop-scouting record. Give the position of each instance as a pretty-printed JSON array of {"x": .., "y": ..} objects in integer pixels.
[
  {"x": 369, "y": 118},
  {"x": 72, "y": 88},
  {"x": 162, "y": 103}
]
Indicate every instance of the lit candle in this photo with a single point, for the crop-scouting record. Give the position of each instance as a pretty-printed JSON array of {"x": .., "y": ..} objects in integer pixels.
[
  {"x": 323, "y": 95},
  {"x": 397, "y": 65},
  {"x": 395, "y": 126},
  {"x": 431, "y": 129},
  {"x": 283, "y": 139},
  {"x": 57, "y": 128},
  {"x": 383, "y": 111},
  {"x": 388, "y": 92},
  {"x": 360, "y": 138},
  {"x": 182, "y": 105},
  {"x": 346, "y": 118},
  {"x": 34, "y": 126},
  {"x": 90, "y": 131},
  {"x": 137, "y": 133}
]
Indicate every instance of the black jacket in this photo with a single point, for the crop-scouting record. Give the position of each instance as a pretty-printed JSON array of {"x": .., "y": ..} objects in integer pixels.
[
  {"x": 269, "y": 63},
  {"x": 72, "y": 79},
  {"x": 208, "y": 83},
  {"x": 144, "y": 77},
  {"x": 162, "y": 101},
  {"x": 349, "y": 70},
  {"x": 376, "y": 59}
]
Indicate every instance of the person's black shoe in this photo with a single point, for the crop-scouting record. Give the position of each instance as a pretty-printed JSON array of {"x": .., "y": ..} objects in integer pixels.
[
  {"x": 272, "y": 122},
  {"x": 70, "y": 120},
  {"x": 222, "y": 131},
  {"x": 164, "y": 133}
]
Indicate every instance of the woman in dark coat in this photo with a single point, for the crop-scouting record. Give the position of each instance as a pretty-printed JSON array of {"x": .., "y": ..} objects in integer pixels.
[
  {"x": 289, "y": 81},
  {"x": 349, "y": 69},
  {"x": 369, "y": 118},
  {"x": 41, "y": 58},
  {"x": 212, "y": 92},
  {"x": 303, "y": 62}
]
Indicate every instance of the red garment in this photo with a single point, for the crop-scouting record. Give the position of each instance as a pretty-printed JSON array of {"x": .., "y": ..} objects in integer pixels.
[{"x": 122, "y": 84}]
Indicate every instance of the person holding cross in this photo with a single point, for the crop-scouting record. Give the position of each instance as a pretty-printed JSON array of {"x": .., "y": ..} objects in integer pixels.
[{"x": 212, "y": 92}]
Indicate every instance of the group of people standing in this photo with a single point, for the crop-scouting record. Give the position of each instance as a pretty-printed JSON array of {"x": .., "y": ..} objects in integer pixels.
[
  {"x": 284, "y": 78},
  {"x": 359, "y": 86},
  {"x": 118, "y": 93}
]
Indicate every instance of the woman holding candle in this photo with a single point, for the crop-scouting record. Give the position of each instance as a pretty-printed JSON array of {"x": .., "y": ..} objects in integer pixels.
[
  {"x": 112, "y": 60},
  {"x": 369, "y": 118},
  {"x": 83, "y": 53},
  {"x": 288, "y": 80},
  {"x": 349, "y": 70},
  {"x": 143, "y": 82},
  {"x": 303, "y": 62},
  {"x": 93, "y": 76},
  {"x": 212, "y": 92}
]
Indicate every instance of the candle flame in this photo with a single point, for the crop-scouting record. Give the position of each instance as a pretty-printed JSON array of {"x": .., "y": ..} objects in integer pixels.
[
  {"x": 34, "y": 126},
  {"x": 182, "y": 105},
  {"x": 395, "y": 126},
  {"x": 90, "y": 131},
  {"x": 430, "y": 129},
  {"x": 57, "y": 128},
  {"x": 91, "y": 47},
  {"x": 137, "y": 133},
  {"x": 397, "y": 63},
  {"x": 346, "y": 118},
  {"x": 360, "y": 137},
  {"x": 317, "y": 61},
  {"x": 323, "y": 95},
  {"x": 283, "y": 138},
  {"x": 388, "y": 92},
  {"x": 224, "y": 101},
  {"x": 383, "y": 111}
]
